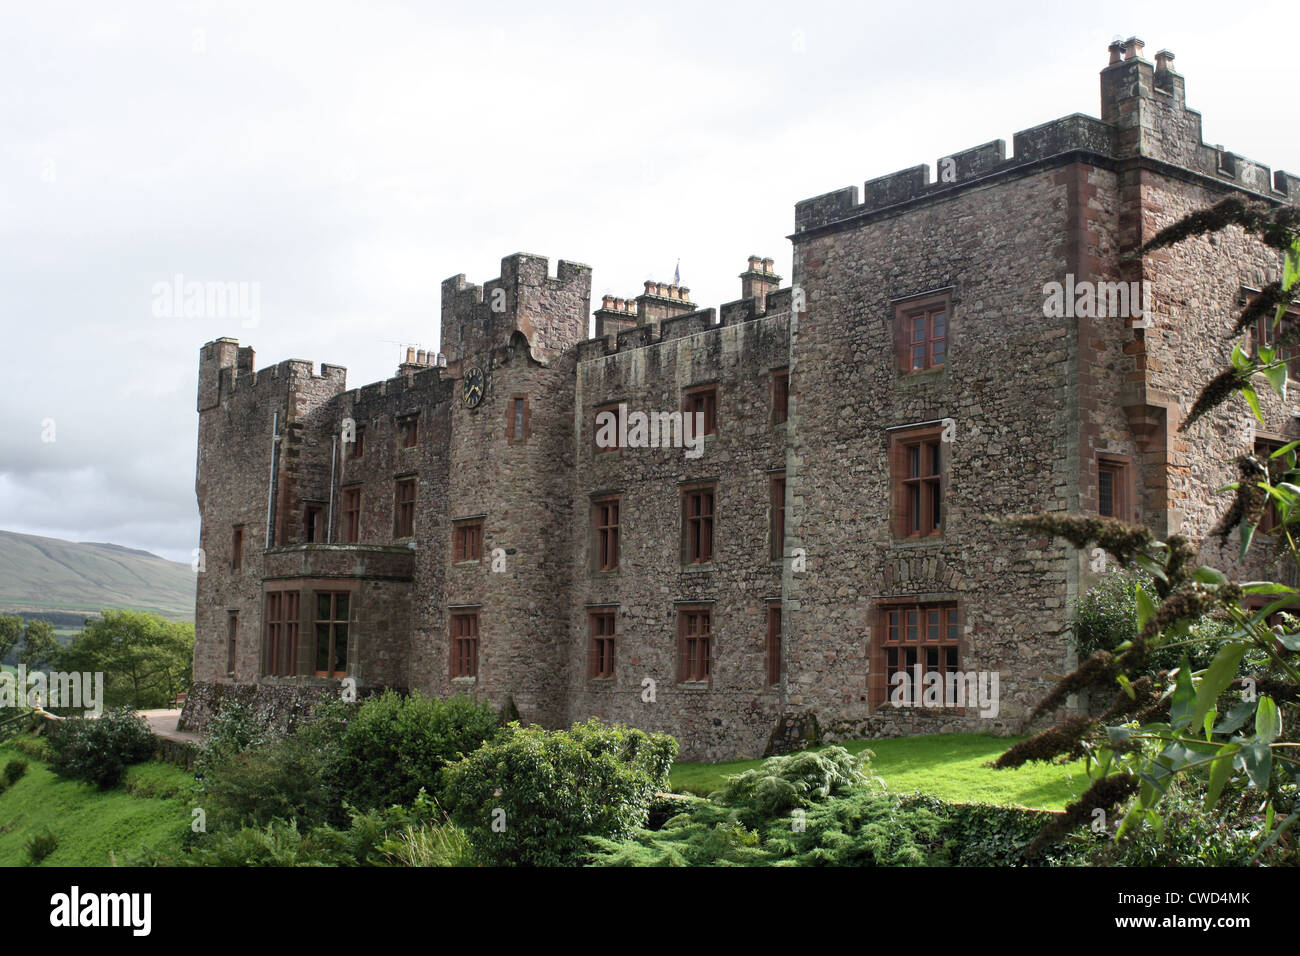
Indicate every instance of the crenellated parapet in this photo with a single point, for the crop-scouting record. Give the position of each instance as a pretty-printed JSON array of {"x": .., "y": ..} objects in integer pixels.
[
  {"x": 1144, "y": 118},
  {"x": 622, "y": 324},
  {"x": 550, "y": 311}
]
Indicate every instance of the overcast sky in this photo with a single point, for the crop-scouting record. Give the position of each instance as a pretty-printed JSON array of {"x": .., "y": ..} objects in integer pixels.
[{"x": 346, "y": 158}]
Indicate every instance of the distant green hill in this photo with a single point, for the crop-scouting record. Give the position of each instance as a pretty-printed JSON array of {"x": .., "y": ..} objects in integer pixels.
[{"x": 49, "y": 575}]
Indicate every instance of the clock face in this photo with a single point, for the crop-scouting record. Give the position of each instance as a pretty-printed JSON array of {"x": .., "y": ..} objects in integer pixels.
[{"x": 471, "y": 388}]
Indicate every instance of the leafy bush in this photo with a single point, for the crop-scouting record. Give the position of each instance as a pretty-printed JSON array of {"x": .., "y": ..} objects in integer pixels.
[
  {"x": 781, "y": 784},
  {"x": 234, "y": 728},
  {"x": 532, "y": 796},
  {"x": 286, "y": 778},
  {"x": 277, "y": 843},
  {"x": 396, "y": 745},
  {"x": 1106, "y": 617},
  {"x": 14, "y": 770},
  {"x": 98, "y": 750},
  {"x": 41, "y": 845},
  {"x": 38, "y": 748}
]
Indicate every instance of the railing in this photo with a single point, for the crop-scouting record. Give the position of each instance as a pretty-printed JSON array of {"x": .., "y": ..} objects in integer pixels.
[{"x": 15, "y": 723}]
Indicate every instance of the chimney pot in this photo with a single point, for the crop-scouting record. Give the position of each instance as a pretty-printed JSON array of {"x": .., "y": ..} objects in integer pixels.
[
  {"x": 768, "y": 266},
  {"x": 410, "y": 355},
  {"x": 422, "y": 357},
  {"x": 754, "y": 262},
  {"x": 1116, "y": 52},
  {"x": 1133, "y": 48},
  {"x": 1163, "y": 60}
]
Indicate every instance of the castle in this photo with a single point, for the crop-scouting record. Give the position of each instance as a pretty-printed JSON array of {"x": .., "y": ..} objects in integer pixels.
[{"x": 817, "y": 518}]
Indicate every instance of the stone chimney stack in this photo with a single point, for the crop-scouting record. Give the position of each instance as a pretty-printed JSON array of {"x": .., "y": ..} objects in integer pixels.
[
  {"x": 758, "y": 280},
  {"x": 614, "y": 315},
  {"x": 662, "y": 300}
]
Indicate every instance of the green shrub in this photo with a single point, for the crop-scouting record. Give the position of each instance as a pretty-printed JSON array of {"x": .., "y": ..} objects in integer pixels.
[
  {"x": 277, "y": 843},
  {"x": 1106, "y": 617},
  {"x": 395, "y": 745},
  {"x": 98, "y": 750},
  {"x": 38, "y": 748},
  {"x": 781, "y": 784},
  {"x": 41, "y": 845},
  {"x": 531, "y": 796},
  {"x": 286, "y": 778},
  {"x": 14, "y": 770},
  {"x": 234, "y": 728}
]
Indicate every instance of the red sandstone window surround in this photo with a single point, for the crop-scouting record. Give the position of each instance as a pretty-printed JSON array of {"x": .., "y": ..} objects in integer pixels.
[
  {"x": 1113, "y": 488},
  {"x": 232, "y": 632},
  {"x": 313, "y": 524},
  {"x": 1264, "y": 447},
  {"x": 236, "y": 547},
  {"x": 600, "y": 660},
  {"x": 404, "y": 510},
  {"x": 780, "y": 396},
  {"x": 772, "y": 643},
  {"x": 467, "y": 540},
  {"x": 697, "y": 524},
  {"x": 332, "y": 609},
  {"x": 917, "y": 467},
  {"x": 352, "y": 515},
  {"x": 601, "y": 432},
  {"x": 1265, "y": 334},
  {"x": 464, "y": 644},
  {"x": 695, "y": 644},
  {"x": 912, "y": 636},
  {"x": 705, "y": 401},
  {"x": 605, "y": 524},
  {"x": 517, "y": 415},
  {"x": 921, "y": 332},
  {"x": 776, "y": 532},
  {"x": 281, "y": 658},
  {"x": 358, "y": 448},
  {"x": 408, "y": 427}
]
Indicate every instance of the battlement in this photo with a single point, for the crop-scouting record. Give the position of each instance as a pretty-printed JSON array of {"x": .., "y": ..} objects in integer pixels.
[
  {"x": 226, "y": 371},
  {"x": 620, "y": 325},
  {"x": 551, "y": 311},
  {"x": 1144, "y": 114}
]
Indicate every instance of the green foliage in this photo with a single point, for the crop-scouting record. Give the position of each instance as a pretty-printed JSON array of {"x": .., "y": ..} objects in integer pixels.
[
  {"x": 146, "y": 659},
  {"x": 234, "y": 728},
  {"x": 98, "y": 750},
  {"x": 275, "y": 843},
  {"x": 41, "y": 844},
  {"x": 35, "y": 747},
  {"x": 1106, "y": 619},
  {"x": 418, "y": 835},
  {"x": 11, "y": 632},
  {"x": 532, "y": 795},
  {"x": 290, "y": 778},
  {"x": 783, "y": 783},
  {"x": 395, "y": 745},
  {"x": 39, "y": 649},
  {"x": 14, "y": 770}
]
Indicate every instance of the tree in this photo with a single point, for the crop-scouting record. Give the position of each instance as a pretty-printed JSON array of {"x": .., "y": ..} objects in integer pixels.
[
  {"x": 11, "y": 631},
  {"x": 1219, "y": 727},
  {"x": 40, "y": 649},
  {"x": 146, "y": 659}
]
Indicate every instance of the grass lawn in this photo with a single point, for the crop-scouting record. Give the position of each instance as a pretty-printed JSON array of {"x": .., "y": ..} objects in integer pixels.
[
  {"x": 151, "y": 807},
  {"x": 948, "y": 766}
]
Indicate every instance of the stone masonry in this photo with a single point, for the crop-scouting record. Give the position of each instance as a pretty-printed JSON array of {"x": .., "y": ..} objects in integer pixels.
[{"x": 819, "y": 551}]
